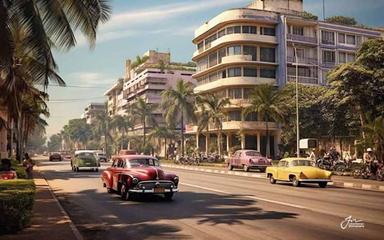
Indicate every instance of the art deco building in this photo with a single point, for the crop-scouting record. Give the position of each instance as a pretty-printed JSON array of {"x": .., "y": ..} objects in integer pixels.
[{"x": 244, "y": 47}]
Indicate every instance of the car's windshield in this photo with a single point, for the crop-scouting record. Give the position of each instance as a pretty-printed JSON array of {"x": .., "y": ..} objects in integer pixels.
[
  {"x": 252, "y": 153},
  {"x": 144, "y": 162},
  {"x": 86, "y": 156},
  {"x": 302, "y": 162}
]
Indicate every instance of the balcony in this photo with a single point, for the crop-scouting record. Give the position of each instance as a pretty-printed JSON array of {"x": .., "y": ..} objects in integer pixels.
[
  {"x": 236, "y": 126},
  {"x": 309, "y": 61},
  {"x": 237, "y": 37},
  {"x": 236, "y": 59},
  {"x": 304, "y": 80},
  {"x": 300, "y": 38},
  {"x": 233, "y": 81}
]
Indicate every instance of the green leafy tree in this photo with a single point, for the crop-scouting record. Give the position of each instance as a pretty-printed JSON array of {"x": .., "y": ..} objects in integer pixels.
[
  {"x": 375, "y": 136},
  {"x": 213, "y": 111},
  {"x": 142, "y": 112},
  {"x": 342, "y": 20},
  {"x": 179, "y": 106},
  {"x": 265, "y": 100},
  {"x": 162, "y": 132},
  {"x": 54, "y": 143},
  {"x": 309, "y": 16},
  {"x": 79, "y": 131},
  {"x": 123, "y": 124}
]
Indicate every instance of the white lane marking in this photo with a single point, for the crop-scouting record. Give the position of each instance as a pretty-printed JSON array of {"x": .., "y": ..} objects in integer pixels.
[
  {"x": 247, "y": 196},
  {"x": 348, "y": 185}
]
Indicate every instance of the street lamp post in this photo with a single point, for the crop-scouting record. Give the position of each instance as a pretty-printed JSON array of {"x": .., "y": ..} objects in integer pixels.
[{"x": 297, "y": 103}]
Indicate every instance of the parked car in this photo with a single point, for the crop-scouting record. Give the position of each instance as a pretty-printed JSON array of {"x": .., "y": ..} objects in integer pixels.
[
  {"x": 297, "y": 171},
  {"x": 6, "y": 172},
  {"x": 132, "y": 175},
  {"x": 102, "y": 157},
  {"x": 248, "y": 159},
  {"x": 66, "y": 155},
  {"x": 55, "y": 156},
  {"x": 85, "y": 159}
]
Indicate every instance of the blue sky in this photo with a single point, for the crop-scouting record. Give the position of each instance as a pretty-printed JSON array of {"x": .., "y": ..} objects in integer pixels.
[{"x": 139, "y": 25}]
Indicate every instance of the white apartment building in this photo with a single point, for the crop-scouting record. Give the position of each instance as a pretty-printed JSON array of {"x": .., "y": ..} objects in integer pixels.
[{"x": 92, "y": 110}]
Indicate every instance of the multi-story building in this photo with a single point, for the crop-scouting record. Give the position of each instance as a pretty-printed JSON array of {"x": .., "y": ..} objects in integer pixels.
[
  {"x": 116, "y": 101},
  {"x": 241, "y": 48},
  {"x": 92, "y": 110},
  {"x": 148, "y": 79}
]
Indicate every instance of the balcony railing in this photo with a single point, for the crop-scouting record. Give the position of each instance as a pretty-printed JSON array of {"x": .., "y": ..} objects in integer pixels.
[
  {"x": 312, "y": 61},
  {"x": 302, "y": 79},
  {"x": 301, "y": 38}
]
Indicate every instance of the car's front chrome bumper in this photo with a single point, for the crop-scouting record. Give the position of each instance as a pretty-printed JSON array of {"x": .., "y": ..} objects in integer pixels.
[
  {"x": 315, "y": 180},
  {"x": 169, "y": 190}
]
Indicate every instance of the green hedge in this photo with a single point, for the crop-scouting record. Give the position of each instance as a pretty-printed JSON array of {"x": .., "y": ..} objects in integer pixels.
[
  {"x": 20, "y": 170},
  {"x": 16, "y": 203}
]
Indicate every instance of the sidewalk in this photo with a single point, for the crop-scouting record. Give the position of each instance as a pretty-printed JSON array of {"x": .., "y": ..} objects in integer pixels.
[
  {"x": 338, "y": 181},
  {"x": 49, "y": 221}
]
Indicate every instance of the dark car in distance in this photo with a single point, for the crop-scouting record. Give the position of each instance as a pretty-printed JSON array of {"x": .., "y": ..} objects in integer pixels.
[{"x": 55, "y": 157}]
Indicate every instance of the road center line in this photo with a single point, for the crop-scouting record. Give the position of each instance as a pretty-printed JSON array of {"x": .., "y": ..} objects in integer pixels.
[{"x": 247, "y": 196}]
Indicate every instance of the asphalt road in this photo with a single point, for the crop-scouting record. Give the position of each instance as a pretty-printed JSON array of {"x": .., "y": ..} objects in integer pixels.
[{"x": 214, "y": 206}]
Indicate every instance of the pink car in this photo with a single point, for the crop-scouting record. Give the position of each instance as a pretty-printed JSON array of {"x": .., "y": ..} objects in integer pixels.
[{"x": 248, "y": 159}]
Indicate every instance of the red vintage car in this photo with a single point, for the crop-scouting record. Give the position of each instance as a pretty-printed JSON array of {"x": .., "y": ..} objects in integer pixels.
[
  {"x": 132, "y": 175},
  {"x": 248, "y": 159},
  {"x": 6, "y": 172}
]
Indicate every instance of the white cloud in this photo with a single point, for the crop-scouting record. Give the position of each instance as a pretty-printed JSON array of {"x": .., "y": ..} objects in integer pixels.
[{"x": 90, "y": 78}]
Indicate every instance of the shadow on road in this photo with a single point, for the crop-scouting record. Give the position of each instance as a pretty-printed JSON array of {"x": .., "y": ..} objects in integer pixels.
[{"x": 103, "y": 215}]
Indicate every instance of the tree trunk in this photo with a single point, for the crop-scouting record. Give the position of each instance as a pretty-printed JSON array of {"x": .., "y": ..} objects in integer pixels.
[
  {"x": 268, "y": 148},
  {"x": 219, "y": 133},
  {"x": 165, "y": 148},
  {"x": 11, "y": 123},
  {"x": 182, "y": 133},
  {"x": 144, "y": 141},
  {"x": 362, "y": 120}
]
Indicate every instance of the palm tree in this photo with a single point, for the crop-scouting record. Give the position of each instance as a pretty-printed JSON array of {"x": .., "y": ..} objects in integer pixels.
[
  {"x": 265, "y": 100},
  {"x": 213, "y": 111},
  {"x": 102, "y": 128},
  {"x": 143, "y": 112},
  {"x": 49, "y": 23},
  {"x": 179, "y": 105},
  {"x": 163, "y": 132},
  {"x": 122, "y": 124}
]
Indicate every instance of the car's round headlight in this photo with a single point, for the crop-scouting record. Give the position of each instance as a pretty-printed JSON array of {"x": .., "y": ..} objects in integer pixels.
[
  {"x": 135, "y": 180},
  {"x": 176, "y": 180}
]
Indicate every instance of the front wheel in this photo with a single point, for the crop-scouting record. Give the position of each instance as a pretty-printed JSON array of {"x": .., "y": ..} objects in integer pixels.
[
  {"x": 295, "y": 182},
  {"x": 168, "y": 196},
  {"x": 322, "y": 184},
  {"x": 124, "y": 193},
  {"x": 272, "y": 180}
]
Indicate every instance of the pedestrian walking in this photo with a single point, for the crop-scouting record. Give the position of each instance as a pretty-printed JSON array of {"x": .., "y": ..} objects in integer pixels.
[{"x": 28, "y": 165}]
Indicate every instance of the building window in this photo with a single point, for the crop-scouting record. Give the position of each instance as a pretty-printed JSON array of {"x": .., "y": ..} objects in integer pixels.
[
  {"x": 267, "y": 54},
  {"x": 221, "y": 33},
  {"x": 212, "y": 59},
  {"x": 341, "y": 37},
  {"x": 267, "y": 73},
  {"x": 235, "y": 93},
  {"x": 200, "y": 46},
  {"x": 351, "y": 39},
  {"x": 222, "y": 53},
  {"x": 342, "y": 57},
  {"x": 300, "y": 53},
  {"x": 250, "y": 50},
  {"x": 249, "y": 29},
  {"x": 297, "y": 30},
  {"x": 234, "y": 72},
  {"x": 209, "y": 40},
  {"x": 327, "y": 37},
  {"x": 234, "y": 50},
  {"x": 328, "y": 57},
  {"x": 358, "y": 40},
  {"x": 235, "y": 29},
  {"x": 250, "y": 72},
  {"x": 251, "y": 116},
  {"x": 234, "y": 116},
  {"x": 224, "y": 74},
  {"x": 269, "y": 31}
]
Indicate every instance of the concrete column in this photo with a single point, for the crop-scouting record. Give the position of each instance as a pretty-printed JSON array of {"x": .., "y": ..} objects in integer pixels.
[
  {"x": 228, "y": 142},
  {"x": 258, "y": 142},
  {"x": 207, "y": 136},
  {"x": 197, "y": 142},
  {"x": 242, "y": 141}
]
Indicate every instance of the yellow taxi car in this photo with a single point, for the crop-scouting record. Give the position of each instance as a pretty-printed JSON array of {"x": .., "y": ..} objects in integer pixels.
[{"x": 297, "y": 171}]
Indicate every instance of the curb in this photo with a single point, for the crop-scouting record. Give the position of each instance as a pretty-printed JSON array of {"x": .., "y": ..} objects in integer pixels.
[
  {"x": 350, "y": 185},
  {"x": 74, "y": 229}
]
